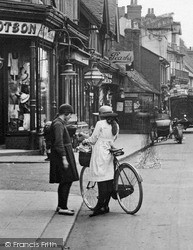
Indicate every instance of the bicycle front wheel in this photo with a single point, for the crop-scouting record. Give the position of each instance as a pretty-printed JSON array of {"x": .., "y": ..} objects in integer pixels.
[
  {"x": 88, "y": 189},
  {"x": 128, "y": 188}
]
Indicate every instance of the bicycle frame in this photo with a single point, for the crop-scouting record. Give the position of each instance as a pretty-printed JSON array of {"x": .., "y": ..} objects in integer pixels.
[{"x": 117, "y": 164}]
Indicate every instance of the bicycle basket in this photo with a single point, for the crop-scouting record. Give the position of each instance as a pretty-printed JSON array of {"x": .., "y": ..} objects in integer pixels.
[
  {"x": 123, "y": 191},
  {"x": 84, "y": 158}
]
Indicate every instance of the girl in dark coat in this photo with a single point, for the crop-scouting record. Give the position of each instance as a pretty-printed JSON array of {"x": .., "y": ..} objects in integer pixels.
[{"x": 62, "y": 161}]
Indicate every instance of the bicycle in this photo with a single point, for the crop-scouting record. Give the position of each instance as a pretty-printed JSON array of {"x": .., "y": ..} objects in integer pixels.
[{"x": 128, "y": 188}]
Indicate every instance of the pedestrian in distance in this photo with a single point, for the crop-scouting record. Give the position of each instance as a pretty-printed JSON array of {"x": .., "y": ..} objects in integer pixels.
[
  {"x": 101, "y": 163},
  {"x": 63, "y": 168}
]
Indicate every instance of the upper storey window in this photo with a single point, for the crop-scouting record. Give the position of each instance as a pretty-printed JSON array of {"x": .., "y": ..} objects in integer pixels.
[{"x": 70, "y": 8}]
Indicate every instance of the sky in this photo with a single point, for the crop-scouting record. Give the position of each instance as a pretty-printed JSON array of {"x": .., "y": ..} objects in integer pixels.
[{"x": 182, "y": 9}]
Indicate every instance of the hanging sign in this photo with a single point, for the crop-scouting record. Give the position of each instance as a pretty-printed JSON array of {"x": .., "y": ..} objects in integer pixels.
[
  {"x": 122, "y": 57},
  {"x": 107, "y": 78},
  {"x": 79, "y": 58},
  {"x": 26, "y": 29},
  {"x": 46, "y": 33}
]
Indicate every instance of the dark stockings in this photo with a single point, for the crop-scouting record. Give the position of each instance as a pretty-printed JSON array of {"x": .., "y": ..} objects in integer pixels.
[
  {"x": 105, "y": 192},
  {"x": 63, "y": 193}
]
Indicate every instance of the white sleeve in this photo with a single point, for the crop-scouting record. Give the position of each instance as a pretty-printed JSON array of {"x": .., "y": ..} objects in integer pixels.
[{"x": 95, "y": 135}]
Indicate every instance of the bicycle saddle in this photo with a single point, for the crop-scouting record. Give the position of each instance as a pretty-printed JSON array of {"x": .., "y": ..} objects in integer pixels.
[{"x": 117, "y": 151}]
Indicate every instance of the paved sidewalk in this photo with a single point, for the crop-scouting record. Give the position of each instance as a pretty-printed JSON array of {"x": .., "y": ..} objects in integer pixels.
[
  {"x": 129, "y": 142},
  {"x": 31, "y": 214}
]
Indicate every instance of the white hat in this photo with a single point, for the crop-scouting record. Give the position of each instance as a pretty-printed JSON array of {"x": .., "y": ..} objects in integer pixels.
[
  {"x": 106, "y": 111},
  {"x": 24, "y": 97}
]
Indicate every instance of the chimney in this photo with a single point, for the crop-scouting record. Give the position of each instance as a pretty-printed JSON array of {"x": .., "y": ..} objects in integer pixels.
[
  {"x": 133, "y": 2},
  {"x": 121, "y": 11},
  {"x": 132, "y": 41},
  {"x": 134, "y": 10},
  {"x": 150, "y": 13}
]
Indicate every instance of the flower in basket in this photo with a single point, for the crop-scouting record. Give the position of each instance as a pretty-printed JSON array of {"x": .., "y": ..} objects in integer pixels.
[{"x": 84, "y": 148}]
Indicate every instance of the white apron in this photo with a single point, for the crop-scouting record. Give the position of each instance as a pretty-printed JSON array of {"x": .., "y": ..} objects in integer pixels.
[{"x": 101, "y": 164}]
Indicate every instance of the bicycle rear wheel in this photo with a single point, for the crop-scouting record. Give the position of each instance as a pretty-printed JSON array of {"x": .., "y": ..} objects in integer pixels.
[
  {"x": 88, "y": 189},
  {"x": 128, "y": 188}
]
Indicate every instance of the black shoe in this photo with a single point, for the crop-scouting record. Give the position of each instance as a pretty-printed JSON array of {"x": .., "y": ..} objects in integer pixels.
[
  {"x": 106, "y": 209},
  {"x": 102, "y": 210},
  {"x": 97, "y": 212}
]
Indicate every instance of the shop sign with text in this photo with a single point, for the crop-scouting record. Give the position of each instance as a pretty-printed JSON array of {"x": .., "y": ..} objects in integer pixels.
[
  {"x": 26, "y": 29},
  {"x": 122, "y": 57},
  {"x": 107, "y": 78}
]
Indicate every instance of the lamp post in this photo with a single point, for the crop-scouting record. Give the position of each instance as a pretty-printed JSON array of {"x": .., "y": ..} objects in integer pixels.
[
  {"x": 94, "y": 77},
  {"x": 67, "y": 70},
  {"x": 68, "y": 73}
]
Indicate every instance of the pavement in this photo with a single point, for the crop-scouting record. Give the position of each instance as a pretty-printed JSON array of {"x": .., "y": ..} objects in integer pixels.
[{"x": 33, "y": 214}]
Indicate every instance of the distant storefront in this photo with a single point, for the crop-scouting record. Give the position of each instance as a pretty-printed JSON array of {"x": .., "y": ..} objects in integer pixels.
[{"x": 137, "y": 103}]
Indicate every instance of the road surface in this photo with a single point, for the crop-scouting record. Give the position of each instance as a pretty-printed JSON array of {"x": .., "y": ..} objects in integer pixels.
[{"x": 164, "y": 221}]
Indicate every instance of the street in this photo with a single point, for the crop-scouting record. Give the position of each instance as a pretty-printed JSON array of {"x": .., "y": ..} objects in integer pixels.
[{"x": 165, "y": 219}]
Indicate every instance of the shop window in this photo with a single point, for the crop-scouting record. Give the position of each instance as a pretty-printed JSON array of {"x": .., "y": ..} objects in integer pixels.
[
  {"x": 44, "y": 87},
  {"x": 18, "y": 90},
  {"x": 146, "y": 103}
]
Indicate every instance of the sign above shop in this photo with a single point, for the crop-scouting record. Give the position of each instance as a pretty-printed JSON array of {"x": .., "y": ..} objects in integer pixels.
[
  {"x": 122, "y": 57},
  {"x": 46, "y": 33},
  {"x": 79, "y": 58},
  {"x": 26, "y": 29},
  {"x": 107, "y": 78}
]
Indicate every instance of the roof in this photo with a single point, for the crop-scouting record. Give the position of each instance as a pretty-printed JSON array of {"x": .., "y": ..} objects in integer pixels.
[
  {"x": 188, "y": 62},
  {"x": 96, "y": 8},
  {"x": 138, "y": 83}
]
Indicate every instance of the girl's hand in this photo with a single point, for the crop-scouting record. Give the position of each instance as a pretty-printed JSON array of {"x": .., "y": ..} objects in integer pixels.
[
  {"x": 84, "y": 142},
  {"x": 83, "y": 135}
]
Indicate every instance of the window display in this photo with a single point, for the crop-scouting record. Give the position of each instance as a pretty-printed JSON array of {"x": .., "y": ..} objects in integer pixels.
[
  {"x": 18, "y": 91},
  {"x": 44, "y": 87}
]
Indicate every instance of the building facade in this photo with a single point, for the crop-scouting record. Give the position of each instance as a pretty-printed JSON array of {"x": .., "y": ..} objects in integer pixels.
[
  {"x": 42, "y": 44},
  {"x": 28, "y": 73}
]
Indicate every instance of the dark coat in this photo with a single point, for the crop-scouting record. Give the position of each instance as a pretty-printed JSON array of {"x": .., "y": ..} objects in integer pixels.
[{"x": 61, "y": 145}]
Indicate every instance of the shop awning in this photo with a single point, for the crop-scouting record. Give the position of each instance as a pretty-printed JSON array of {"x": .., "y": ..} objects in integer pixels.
[{"x": 136, "y": 82}]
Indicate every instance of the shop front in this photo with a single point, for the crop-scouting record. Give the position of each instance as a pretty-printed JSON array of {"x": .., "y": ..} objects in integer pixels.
[
  {"x": 27, "y": 81},
  {"x": 136, "y": 104},
  {"x": 134, "y": 111}
]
